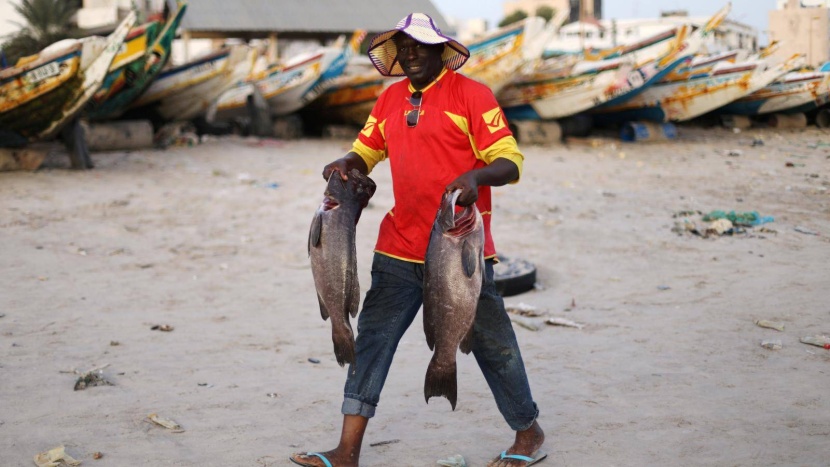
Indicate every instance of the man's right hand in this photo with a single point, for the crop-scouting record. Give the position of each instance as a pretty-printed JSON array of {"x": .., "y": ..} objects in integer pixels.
[
  {"x": 339, "y": 165},
  {"x": 344, "y": 165}
]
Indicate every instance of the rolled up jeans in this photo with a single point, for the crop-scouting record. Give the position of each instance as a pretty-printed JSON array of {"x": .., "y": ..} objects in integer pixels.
[{"x": 391, "y": 305}]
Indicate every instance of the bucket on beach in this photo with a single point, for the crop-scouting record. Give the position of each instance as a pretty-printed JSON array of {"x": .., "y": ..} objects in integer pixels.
[
  {"x": 119, "y": 135},
  {"x": 648, "y": 131},
  {"x": 536, "y": 131},
  {"x": 788, "y": 120},
  {"x": 741, "y": 122}
]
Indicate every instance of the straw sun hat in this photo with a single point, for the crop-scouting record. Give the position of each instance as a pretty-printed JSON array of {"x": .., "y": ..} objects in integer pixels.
[{"x": 384, "y": 52}]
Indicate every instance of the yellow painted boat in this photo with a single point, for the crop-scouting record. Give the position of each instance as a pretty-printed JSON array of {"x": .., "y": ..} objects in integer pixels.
[
  {"x": 143, "y": 56},
  {"x": 42, "y": 93}
]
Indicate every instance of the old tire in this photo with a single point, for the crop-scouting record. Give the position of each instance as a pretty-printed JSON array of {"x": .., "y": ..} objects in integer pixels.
[{"x": 514, "y": 276}]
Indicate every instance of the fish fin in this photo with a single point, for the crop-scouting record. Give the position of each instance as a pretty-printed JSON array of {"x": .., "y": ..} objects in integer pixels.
[
  {"x": 316, "y": 230},
  {"x": 429, "y": 327},
  {"x": 441, "y": 380},
  {"x": 469, "y": 258},
  {"x": 343, "y": 339},
  {"x": 467, "y": 342},
  {"x": 353, "y": 300},
  {"x": 324, "y": 312}
]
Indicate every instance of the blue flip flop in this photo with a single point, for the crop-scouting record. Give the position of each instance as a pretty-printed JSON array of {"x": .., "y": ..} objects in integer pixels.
[
  {"x": 309, "y": 454},
  {"x": 538, "y": 456}
]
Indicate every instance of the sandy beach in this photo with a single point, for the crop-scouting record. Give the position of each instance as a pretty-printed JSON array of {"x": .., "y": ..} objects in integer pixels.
[{"x": 668, "y": 369}]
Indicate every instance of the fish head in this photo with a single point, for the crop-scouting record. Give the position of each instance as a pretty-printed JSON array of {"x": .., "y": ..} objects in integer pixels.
[
  {"x": 353, "y": 193},
  {"x": 361, "y": 186},
  {"x": 454, "y": 221},
  {"x": 336, "y": 192},
  {"x": 464, "y": 222},
  {"x": 445, "y": 218}
]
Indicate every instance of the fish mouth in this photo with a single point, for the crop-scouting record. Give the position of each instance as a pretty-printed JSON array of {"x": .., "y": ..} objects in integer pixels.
[
  {"x": 465, "y": 222},
  {"x": 329, "y": 204}
]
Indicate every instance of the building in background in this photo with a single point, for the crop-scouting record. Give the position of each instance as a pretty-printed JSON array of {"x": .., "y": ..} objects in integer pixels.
[
  {"x": 467, "y": 30},
  {"x": 574, "y": 37},
  {"x": 800, "y": 28},
  {"x": 584, "y": 10},
  {"x": 210, "y": 23},
  {"x": 530, "y": 6},
  {"x": 781, "y": 4},
  {"x": 579, "y": 9}
]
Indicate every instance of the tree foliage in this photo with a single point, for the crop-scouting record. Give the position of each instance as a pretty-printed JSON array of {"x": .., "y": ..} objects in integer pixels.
[
  {"x": 45, "y": 22},
  {"x": 514, "y": 17},
  {"x": 546, "y": 12}
]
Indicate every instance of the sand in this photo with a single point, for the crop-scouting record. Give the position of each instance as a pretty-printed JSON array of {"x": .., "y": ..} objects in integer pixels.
[{"x": 668, "y": 369}]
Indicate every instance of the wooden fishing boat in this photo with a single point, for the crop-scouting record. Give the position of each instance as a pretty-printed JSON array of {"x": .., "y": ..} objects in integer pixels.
[
  {"x": 43, "y": 93},
  {"x": 233, "y": 103},
  {"x": 187, "y": 91},
  {"x": 499, "y": 57},
  {"x": 557, "y": 92},
  {"x": 699, "y": 91},
  {"x": 651, "y": 69},
  {"x": 351, "y": 98},
  {"x": 573, "y": 84},
  {"x": 795, "y": 92},
  {"x": 659, "y": 56},
  {"x": 306, "y": 77},
  {"x": 135, "y": 67},
  {"x": 286, "y": 88}
]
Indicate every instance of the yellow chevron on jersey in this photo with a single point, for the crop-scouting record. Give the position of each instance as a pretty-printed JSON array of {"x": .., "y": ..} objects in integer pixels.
[
  {"x": 494, "y": 119},
  {"x": 369, "y": 127}
]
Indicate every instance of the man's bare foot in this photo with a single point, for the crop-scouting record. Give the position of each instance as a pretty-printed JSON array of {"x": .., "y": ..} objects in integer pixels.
[
  {"x": 347, "y": 452},
  {"x": 335, "y": 457},
  {"x": 526, "y": 444}
]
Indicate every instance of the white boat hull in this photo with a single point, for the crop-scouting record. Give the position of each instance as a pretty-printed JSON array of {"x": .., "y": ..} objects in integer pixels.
[
  {"x": 189, "y": 94},
  {"x": 679, "y": 101}
]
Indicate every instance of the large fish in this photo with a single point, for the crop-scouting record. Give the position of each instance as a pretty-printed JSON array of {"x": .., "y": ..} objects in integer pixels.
[
  {"x": 331, "y": 247},
  {"x": 452, "y": 284}
]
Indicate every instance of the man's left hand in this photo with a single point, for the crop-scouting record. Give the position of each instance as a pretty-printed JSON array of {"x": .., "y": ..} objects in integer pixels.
[{"x": 468, "y": 184}]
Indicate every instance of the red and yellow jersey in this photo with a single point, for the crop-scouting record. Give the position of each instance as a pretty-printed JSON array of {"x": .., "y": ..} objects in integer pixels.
[{"x": 460, "y": 128}]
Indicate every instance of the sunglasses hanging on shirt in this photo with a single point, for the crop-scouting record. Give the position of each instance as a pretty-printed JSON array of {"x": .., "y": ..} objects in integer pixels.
[{"x": 413, "y": 116}]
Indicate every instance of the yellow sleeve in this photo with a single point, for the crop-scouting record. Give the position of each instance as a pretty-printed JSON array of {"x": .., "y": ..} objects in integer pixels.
[
  {"x": 506, "y": 148},
  {"x": 374, "y": 134},
  {"x": 370, "y": 156}
]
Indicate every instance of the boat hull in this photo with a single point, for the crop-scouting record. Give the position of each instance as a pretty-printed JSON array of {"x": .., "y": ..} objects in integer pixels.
[
  {"x": 129, "y": 81},
  {"x": 541, "y": 98},
  {"x": 187, "y": 91},
  {"x": 794, "y": 93},
  {"x": 38, "y": 100},
  {"x": 678, "y": 101}
]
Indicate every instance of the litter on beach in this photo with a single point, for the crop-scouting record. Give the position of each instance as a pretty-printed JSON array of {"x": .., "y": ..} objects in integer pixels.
[
  {"x": 453, "y": 461},
  {"x": 818, "y": 341},
  {"x": 528, "y": 323},
  {"x": 770, "y": 325},
  {"x": 772, "y": 344},
  {"x": 523, "y": 309},
  {"x": 55, "y": 457},
  {"x": 166, "y": 423},
  {"x": 564, "y": 322}
]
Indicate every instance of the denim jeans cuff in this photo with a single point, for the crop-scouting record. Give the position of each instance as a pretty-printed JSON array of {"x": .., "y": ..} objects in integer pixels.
[
  {"x": 356, "y": 407},
  {"x": 524, "y": 426}
]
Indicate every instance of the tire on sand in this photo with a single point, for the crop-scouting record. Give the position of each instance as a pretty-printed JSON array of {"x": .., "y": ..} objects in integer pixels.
[{"x": 513, "y": 276}]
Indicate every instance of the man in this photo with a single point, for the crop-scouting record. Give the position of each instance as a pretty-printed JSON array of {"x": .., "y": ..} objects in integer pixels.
[{"x": 440, "y": 131}]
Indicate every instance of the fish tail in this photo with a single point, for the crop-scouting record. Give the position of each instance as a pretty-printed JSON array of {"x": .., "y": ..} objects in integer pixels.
[
  {"x": 343, "y": 339},
  {"x": 441, "y": 381}
]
